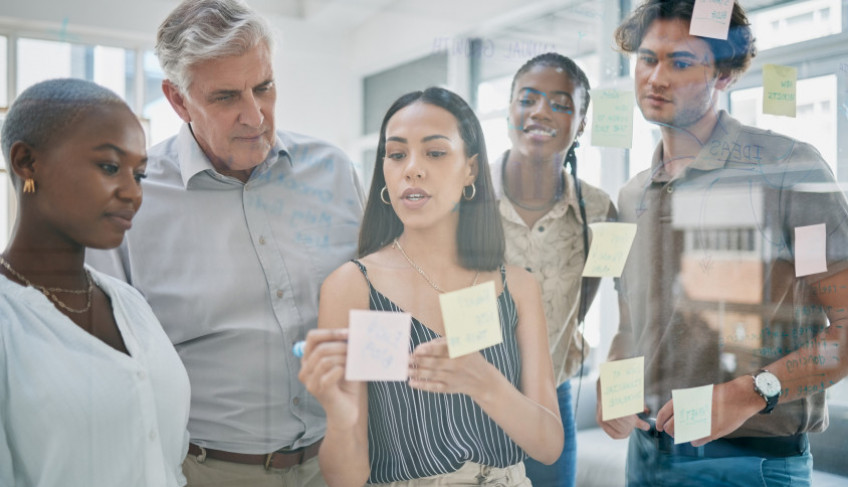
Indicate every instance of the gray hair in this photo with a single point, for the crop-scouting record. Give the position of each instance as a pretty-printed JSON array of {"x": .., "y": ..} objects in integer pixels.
[
  {"x": 200, "y": 30},
  {"x": 45, "y": 110}
]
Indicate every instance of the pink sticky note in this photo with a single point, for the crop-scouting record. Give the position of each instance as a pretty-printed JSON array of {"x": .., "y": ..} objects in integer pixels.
[
  {"x": 377, "y": 346},
  {"x": 810, "y": 251},
  {"x": 711, "y": 18}
]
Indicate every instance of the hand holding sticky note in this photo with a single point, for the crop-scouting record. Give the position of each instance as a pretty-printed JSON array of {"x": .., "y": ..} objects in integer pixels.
[
  {"x": 622, "y": 388},
  {"x": 377, "y": 346},
  {"x": 471, "y": 319},
  {"x": 612, "y": 118},
  {"x": 779, "y": 90},
  {"x": 611, "y": 244},
  {"x": 693, "y": 413}
]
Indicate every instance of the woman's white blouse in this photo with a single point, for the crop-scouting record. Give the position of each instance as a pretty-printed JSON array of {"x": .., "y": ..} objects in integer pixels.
[{"x": 75, "y": 411}]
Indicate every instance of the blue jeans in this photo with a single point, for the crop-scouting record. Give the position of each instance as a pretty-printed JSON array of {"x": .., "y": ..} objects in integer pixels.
[
  {"x": 563, "y": 473},
  {"x": 648, "y": 467}
]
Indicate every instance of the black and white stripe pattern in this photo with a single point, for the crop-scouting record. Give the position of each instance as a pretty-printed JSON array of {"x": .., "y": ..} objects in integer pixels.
[{"x": 414, "y": 434}]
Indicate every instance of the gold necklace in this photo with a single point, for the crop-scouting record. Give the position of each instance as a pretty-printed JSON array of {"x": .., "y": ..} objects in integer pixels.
[
  {"x": 424, "y": 274},
  {"x": 48, "y": 291}
]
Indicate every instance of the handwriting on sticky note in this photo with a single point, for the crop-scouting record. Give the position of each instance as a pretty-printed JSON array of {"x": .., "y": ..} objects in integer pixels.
[
  {"x": 622, "y": 388},
  {"x": 612, "y": 118},
  {"x": 377, "y": 346},
  {"x": 810, "y": 250},
  {"x": 711, "y": 18},
  {"x": 609, "y": 249},
  {"x": 693, "y": 410},
  {"x": 779, "y": 89},
  {"x": 471, "y": 319}
]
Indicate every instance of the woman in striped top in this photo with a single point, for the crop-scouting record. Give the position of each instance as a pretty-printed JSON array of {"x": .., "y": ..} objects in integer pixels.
[{"x": 431, "y": 225}]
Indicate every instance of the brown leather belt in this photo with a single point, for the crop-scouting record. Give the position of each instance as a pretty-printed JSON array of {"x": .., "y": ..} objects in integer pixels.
[{"x": 277, "y": 459}]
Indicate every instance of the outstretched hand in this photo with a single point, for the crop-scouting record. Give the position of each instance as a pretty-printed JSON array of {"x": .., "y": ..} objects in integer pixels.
[
  {"x": 431, "y": 369},
  {"x": 733, "y": 403},
  {"x": 323, "y": 370}
]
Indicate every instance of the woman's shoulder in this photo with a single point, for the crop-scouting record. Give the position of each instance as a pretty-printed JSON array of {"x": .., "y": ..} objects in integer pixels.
[{"x": 521, "y": 283}]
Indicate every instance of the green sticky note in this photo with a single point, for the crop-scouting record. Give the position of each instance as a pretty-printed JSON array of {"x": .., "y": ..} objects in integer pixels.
[
  {"x": 622, "y": 387},
  {"x": 693, "y": 413},
  {"x": 612, "y": 118},
  {"x": 471, "y": 319},
  {"x": 779, "y": 90}
]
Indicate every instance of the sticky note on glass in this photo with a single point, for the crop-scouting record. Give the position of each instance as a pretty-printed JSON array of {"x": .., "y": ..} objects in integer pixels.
[
  {"x": 609, "y": 249},
  {"x": 693, "y": 410},
  {"x": 377, "y": 346},
  {"x": 810, "y": 250},
  {"x": 471, "y": 319},
  {"x": 612, "y": 118},
  {"x": 622, "y": 388},
  {"x": 779, "y": 89},
  {"x": 711, "y": 18}
]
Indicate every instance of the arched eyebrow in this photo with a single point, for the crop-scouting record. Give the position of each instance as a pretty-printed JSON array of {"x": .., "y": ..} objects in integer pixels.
[
  {"x": 672, "y": 55},
  {"x": 423, "y": 139},
  {"x": 112, "y": 147}
]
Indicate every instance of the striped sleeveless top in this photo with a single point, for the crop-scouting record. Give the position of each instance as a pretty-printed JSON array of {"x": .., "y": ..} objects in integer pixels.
[{"x": 414, "y": 434}]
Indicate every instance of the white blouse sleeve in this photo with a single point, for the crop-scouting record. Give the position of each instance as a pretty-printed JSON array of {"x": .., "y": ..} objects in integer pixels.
[{"x": 7, "y": 475}]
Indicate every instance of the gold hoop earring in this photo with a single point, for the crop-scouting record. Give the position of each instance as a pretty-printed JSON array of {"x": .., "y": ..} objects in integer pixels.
[
  {"x": 29, "y": 185},
  {"x": 473, "y": 192},
  {"x": 383, "y": 196}
]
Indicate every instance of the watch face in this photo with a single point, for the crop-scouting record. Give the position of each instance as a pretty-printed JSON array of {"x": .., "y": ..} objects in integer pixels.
[{"x": 768, "y": 384}]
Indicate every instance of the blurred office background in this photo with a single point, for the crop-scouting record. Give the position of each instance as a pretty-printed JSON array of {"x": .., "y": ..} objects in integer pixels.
[{"x": 340, "y": 63}]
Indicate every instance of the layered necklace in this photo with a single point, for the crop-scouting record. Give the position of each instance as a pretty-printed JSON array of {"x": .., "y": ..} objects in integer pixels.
[
  {"x": 50, "y": 292},
  {"x": 424, "y": 274},
  {"x": 560, "y": 190}
]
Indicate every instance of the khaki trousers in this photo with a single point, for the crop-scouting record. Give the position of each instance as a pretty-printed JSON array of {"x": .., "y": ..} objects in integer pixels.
[
  {"x": 473, "y": 474},
  {"x": 218, "y": 473}
]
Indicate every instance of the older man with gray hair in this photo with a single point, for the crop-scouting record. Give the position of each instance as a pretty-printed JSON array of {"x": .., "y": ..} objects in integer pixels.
[{"x": 240, "y": 225}]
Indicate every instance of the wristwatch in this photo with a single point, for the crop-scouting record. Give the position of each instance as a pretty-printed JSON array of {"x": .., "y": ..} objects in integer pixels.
[{"x": 767, "y": 385}]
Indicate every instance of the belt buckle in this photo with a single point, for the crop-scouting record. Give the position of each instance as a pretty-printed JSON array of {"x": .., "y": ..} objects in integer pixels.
[{"x": 269, "y": 458}]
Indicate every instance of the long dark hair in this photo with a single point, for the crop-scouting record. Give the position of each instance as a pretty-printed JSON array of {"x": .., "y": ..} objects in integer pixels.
[{"x": 480, "y": 237}]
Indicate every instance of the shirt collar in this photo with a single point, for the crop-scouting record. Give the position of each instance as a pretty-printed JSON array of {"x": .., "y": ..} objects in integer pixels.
[
  {"x": 193, "y": 160},
  {"x": 727, "y": 130},
  {"x": 558, "y": 210}
]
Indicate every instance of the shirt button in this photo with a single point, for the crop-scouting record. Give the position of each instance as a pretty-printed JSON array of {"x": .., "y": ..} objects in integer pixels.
[
  {"x": 296, "y": 401},
  {"x": 669, "y": 189},
  {"x": 279, "y": 293},
  {"x": 152, "y": 435},
  {"x": 261, "y": 240},
  {"x": 141, "y": 375},
  {"x": 541, "y": 229},
  {"x": 528, "y": 269}
]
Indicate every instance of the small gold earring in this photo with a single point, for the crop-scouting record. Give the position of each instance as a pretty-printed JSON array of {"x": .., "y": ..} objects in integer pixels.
[{"x": 29, "y": 185}]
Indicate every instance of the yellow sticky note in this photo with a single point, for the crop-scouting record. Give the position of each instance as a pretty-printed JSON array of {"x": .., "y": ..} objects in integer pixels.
[
  {"x": 693, "y": 413},
  {"x": 612, "y": 118},
  {"x": 609, "y": 249},
  {"x": 779, "y": 89},
  {"x": 622, "y": 388},
  {"x": 471, "y": 319}
]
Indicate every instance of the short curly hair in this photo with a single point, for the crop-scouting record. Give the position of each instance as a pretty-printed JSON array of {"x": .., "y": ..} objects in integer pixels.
[
  {"x": 732, "y": 56},
  {"x": 41, "y": 113}
]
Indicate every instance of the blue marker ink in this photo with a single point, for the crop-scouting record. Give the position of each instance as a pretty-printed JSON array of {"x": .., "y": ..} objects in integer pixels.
[{"x": 297, "y": 349}]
